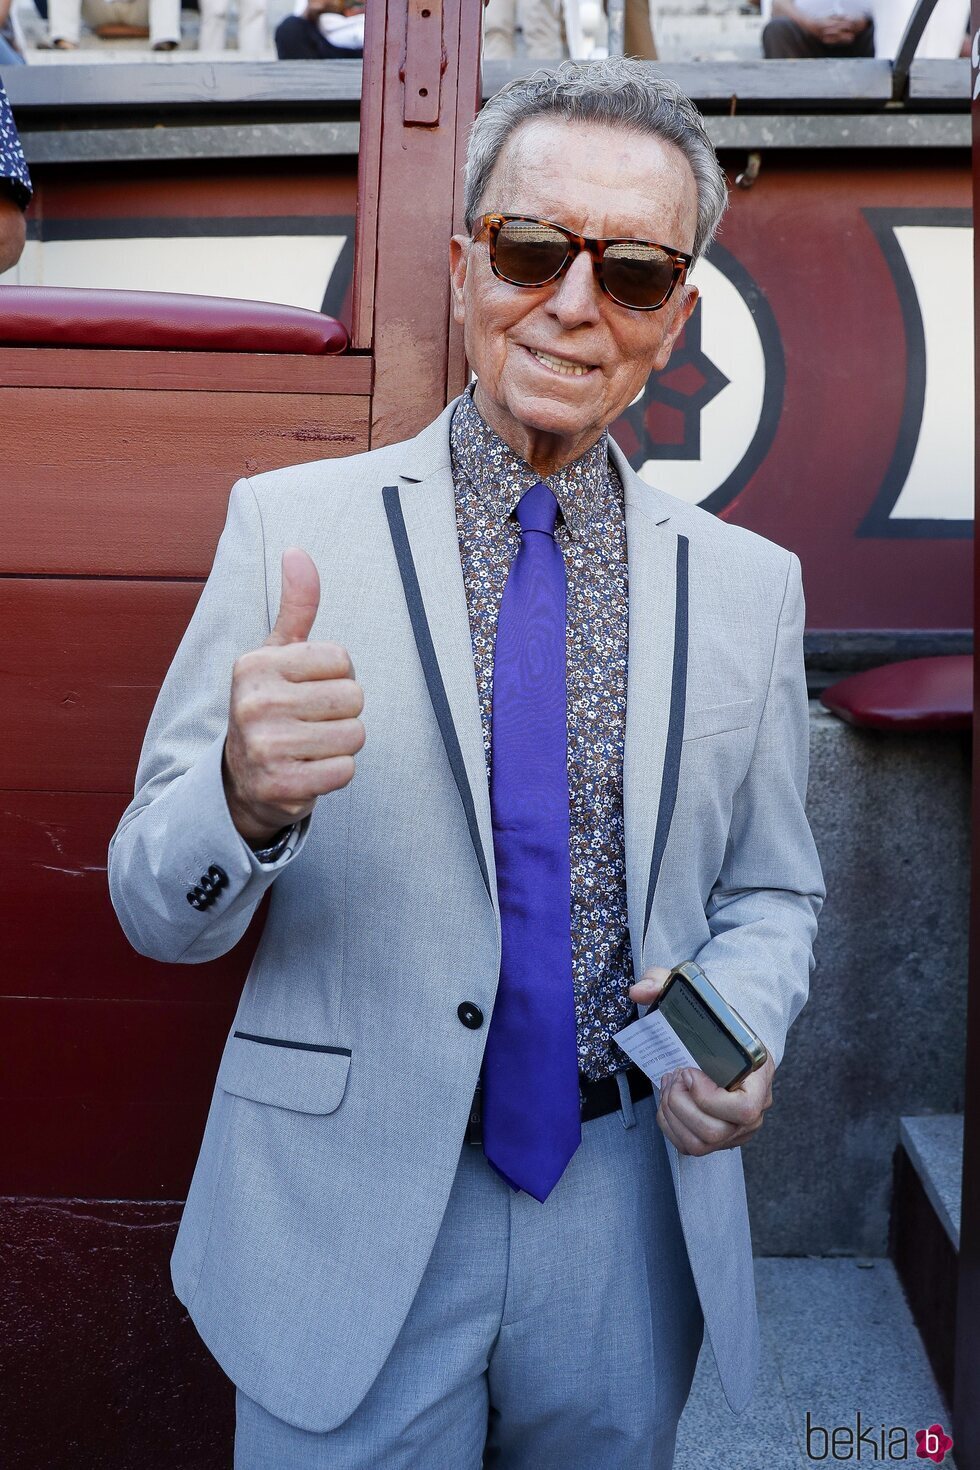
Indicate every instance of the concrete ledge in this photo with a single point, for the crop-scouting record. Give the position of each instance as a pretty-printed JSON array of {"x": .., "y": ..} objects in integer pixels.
[
  {"x": 882, "y": 1036},
  {"x": 935, "y": 1148}
]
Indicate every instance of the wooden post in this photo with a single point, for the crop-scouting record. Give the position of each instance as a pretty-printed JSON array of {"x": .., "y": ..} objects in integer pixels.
[
  {"x": 966, "y": 1395},
  {"x": 416, "y": 114}
]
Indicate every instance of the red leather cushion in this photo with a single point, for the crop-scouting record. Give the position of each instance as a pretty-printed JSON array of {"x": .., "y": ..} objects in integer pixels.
[
  {"x": 916, "y": 694},
  {"x": 60, "y": 316}
]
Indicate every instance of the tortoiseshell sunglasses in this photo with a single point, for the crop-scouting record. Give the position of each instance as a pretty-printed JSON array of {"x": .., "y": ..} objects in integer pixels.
[{"x": 525, "y": 251}]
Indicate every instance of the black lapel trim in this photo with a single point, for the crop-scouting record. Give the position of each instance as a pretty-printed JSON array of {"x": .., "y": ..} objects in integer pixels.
[
  {"x": 338, "y": 1051},
  {"x": 430, "y": 666},
  {"x": 675, "y": 726}
]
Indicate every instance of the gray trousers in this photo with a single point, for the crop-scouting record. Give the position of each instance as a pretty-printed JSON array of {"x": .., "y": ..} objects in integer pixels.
[
  {"x": 561, "y": 1336},
  {"x": 784, "y": 40}
]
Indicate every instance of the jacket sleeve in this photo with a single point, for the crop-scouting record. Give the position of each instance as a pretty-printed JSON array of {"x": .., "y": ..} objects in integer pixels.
[
  {"x": 762, "y": 911},
  {"x": 178, "y": 827}
]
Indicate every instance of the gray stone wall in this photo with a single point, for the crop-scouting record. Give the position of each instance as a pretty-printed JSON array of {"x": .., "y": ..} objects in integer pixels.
[{"x": 882, "y": 1034}]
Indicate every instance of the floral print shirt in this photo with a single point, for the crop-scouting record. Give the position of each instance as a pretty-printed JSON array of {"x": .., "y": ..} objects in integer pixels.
[{"x": 490, "y": 479}]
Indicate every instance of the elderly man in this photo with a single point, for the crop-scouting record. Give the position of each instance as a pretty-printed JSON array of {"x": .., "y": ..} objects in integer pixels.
[{"x": 436, "y": 1215}]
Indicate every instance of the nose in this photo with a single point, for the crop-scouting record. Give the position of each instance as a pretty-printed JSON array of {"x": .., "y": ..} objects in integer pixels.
[{"x": 577, "y": 298}]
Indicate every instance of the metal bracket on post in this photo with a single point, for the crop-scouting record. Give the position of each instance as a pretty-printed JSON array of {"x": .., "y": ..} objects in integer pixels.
[
  {"x": 424, "y": 63},
  {"x": 908, "y": 45}
]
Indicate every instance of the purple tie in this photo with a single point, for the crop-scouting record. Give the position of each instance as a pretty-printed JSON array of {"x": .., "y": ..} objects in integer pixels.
[{"x": 531, "y": 1110}]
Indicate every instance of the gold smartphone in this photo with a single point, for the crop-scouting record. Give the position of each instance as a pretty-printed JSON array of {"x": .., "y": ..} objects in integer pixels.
[{"x": 713, "y": 1032}]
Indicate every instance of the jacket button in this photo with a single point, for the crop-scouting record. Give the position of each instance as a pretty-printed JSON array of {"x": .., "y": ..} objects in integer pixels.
[
  {"x": 470, "y": 1015},
  {"x": 217, "y": 875}
]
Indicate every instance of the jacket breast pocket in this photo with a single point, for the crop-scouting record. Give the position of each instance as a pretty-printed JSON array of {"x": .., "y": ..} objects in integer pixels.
[
  {"x": 717, "y": 719},
  {"x": 303, "y": 1076}
]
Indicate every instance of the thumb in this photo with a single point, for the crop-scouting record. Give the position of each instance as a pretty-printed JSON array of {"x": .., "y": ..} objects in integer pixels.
[
  {"x": 646, "y": 990},
  {"x": 299, "y": 599}
]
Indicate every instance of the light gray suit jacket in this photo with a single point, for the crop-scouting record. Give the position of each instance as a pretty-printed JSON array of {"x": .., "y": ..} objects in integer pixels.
[{"x": 343, "y": 1092}]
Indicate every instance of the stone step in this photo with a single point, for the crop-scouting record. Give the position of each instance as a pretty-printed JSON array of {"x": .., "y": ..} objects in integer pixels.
[
  {"x": 934, "y": 1145},
  {"x": 925, "y": 1230},
  {"x": 837, "y": 1340}
]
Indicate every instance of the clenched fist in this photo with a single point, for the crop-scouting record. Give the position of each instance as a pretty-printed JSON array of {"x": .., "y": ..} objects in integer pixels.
[{"x": 293, "y": 727}]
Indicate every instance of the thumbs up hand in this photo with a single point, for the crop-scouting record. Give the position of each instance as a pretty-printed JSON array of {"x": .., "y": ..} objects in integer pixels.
[{"x": 293, "y": 727}]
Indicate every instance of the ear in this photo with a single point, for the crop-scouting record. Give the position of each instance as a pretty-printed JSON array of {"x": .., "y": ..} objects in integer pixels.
[
  {"x": 688, "y": 300},
  {"x": 458, "y": 260}
]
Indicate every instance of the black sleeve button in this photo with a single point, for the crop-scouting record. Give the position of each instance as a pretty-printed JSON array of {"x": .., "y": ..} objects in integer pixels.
[
  {"x": 206, "y": 889},
  {"x": 470, "y": 1015}
]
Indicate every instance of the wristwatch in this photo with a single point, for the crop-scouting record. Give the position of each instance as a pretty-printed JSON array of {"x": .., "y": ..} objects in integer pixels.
[{"x": 277, "y": 847}]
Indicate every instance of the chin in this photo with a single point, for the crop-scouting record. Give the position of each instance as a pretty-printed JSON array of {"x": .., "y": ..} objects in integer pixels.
[{"x": 548, "y": 415}]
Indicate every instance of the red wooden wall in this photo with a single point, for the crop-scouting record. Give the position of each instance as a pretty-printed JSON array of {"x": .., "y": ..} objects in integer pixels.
[{"x": 116, "y": 473}]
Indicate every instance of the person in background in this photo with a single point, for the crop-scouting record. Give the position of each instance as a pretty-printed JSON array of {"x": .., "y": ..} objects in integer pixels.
[
  {"x": 322, "y": 30},
  {"x": 158, "y": 19},
  {"x": 16, "y": 190},
  {"x": 540, "y": 22},
  {"x": 252, "y": 29},
  {"x": 637, "y": 30},
  {"x": 804, "y": 29},
  {"x": 9, "y": 51}
]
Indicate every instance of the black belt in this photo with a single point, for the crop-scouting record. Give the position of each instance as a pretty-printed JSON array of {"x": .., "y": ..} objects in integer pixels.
[{"x": 598, "y": 1099}]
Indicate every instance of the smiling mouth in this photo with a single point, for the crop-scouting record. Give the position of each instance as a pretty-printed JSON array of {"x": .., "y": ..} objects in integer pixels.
[{"x": 560, "y": 366}]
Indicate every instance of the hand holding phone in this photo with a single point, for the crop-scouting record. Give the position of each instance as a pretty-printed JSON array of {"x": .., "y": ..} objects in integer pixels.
[
  {"x": 721, "y": 1043},
  {"x": 698, "y": 1115}
]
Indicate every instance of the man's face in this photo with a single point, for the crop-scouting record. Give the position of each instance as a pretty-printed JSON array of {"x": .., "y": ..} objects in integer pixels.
[{"x": 599, "y": 181}]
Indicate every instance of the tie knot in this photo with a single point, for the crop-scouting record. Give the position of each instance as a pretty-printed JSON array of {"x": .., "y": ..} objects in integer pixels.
[{"x": 537, "y": 509}]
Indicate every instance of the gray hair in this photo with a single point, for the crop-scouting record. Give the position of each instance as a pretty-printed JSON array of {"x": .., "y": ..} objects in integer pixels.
[{"x": 620, "y": 91}]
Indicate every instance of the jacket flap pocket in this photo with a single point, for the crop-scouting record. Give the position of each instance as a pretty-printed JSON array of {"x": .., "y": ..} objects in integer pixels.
[
  {"x": 302, "y": 1076},
  {"x": 714, "y": 719}
]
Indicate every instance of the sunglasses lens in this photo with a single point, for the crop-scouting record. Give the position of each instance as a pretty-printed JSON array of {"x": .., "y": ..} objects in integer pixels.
[
  {"x": 637, "y": 274},
  {"x": 529, "y": 253}
]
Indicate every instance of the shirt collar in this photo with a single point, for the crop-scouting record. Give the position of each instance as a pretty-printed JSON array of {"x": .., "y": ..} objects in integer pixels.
[{"x": 500, "y": 476}]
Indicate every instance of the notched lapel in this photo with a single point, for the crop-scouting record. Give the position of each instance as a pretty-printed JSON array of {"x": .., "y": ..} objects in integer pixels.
[
  {"x": 655, "y": 696},
  {"x": 422, "y": 523}
]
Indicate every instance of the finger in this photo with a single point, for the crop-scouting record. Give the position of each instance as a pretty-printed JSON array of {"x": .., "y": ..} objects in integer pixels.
[
  {"x": 679, "y": 1134},
  {"x": 684, "y": 1113},
  {"x": 738, "y": 1107},
  {"x": 302, "y": 661},
  {"x": 299, "y": 598},
  {"x": 700, "y": 1132},
  {"x": 322, "y": 699},
  {"x": 646, "y": 990},
  {"x": 308, "y": 740},
  {"x": 303, "y": 781}
]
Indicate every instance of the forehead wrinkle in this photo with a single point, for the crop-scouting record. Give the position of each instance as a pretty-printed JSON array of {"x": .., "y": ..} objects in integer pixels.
[
  {"x": 559, "y": 215},
  {"x": 660, "y": 189}
]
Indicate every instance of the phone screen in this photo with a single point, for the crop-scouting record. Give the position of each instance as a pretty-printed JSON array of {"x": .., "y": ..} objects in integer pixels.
[{"x": 702, "y": 1033}]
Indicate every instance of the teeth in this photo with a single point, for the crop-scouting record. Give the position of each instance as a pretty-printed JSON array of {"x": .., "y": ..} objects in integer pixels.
[{"x": 560, "y": 364}]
